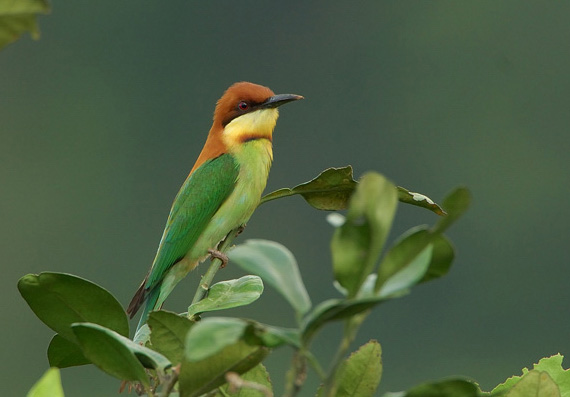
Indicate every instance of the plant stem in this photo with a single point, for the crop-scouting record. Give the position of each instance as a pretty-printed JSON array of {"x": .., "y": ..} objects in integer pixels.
[
  {"x": 207, "y": 278},
  {"x": 350, "y": 328},
  {"x": 296, "y": 375}
]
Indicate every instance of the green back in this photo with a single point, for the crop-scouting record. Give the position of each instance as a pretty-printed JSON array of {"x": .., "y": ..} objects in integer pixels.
[{"x": 199, "y": 198}]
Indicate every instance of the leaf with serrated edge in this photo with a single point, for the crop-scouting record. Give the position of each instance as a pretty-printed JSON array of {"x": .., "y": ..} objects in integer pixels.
[
  {"x": 552, "y": 365},
  {"x": 277, "y": 266},
  {"x": 360, "y": 374},
  {"x": 537, "y": 384},
  {"x": 228, "y": 294},
  {"x": 168, "y": 334}
]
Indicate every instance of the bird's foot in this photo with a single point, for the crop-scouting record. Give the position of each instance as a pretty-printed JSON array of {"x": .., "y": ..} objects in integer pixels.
[{"x": 215, "y": 254}]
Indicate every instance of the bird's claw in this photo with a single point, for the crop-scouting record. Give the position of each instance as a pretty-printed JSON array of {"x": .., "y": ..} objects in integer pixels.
[{"x": 219, "y": 255}]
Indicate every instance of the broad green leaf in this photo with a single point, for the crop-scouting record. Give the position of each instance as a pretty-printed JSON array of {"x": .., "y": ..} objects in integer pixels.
[
  {"x": 330, "y": 190},
  {"x": 441, "y": 258},
  {"x": 211, "y": 335},
  {"x": 337, "y": 309},
  {"x": 199, "y": 377},
  {"x": 552, "y": 365},
  {"x": 456, "y": 203},
  {"x": 537, "y": 384},
  {"x": 116, "y": 355},
  {"x": 356, "y": 245},
  {"x": 419, "y": 200},
  {"x": 60, "y": 299},
  {"x": 360, "y": 374},
  {"x": 49, "y": 385},
  {"x": 256, "y": 383},
  {"x": 446, "y": 388},
  {"x": 19, "y": 17},
  {"x": 63, "y": 353},
  {"x": 405, "y": 250},
  {"x": 409, "y": 274},
  {"x": 270, "y": 336},
  {"x": 168, "y": 334},
  {"x": 228, "y": 294},
  {"x": 277, "y": 266}
]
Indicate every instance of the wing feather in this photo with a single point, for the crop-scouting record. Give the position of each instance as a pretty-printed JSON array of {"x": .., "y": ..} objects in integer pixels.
[{"x": 201, "y": 195}]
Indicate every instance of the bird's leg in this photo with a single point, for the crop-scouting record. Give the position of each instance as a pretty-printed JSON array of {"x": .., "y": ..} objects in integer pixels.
[{"x": 219, "y": 255}]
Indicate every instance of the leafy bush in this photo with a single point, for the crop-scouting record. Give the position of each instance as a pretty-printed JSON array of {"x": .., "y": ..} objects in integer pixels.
[{"x": 186, "y": 355}]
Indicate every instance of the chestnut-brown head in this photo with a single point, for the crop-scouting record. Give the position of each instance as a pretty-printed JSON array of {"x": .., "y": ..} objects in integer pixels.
[
  {"x": 244, "y": 97},
  {"x": 245, "y": 112}
]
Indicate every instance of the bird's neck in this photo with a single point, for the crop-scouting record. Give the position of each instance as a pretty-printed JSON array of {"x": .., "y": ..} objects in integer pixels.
[{"x": 249, "y": 127}]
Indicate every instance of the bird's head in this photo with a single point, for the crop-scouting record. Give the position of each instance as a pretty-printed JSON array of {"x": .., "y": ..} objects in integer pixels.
[
  {"x": 248, "y": 111},
  {"x": 245, "y": 112}
]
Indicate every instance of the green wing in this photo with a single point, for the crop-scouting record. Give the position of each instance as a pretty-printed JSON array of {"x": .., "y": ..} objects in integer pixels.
[{"x": 199, "y": 198}]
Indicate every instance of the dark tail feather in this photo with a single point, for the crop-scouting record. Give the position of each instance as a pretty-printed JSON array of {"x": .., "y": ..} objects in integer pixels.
[{"x": 138, "y": 300}]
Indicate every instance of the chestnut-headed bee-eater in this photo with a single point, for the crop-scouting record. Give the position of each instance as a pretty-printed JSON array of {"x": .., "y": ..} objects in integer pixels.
[{"x": 221, "y": 192}]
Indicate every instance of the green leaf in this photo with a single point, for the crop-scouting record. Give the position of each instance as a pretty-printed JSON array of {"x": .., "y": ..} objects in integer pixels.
[
  {"x": 552, "y": 365},
  {"x": 60, "y": 300},
  {"x": 356, "y": 245},
  {"x": 446, "y": 388},
  {"x": 277, "y": 266},
  {"x": 456, "y": 203},
  {"x": 199, "y": 377},
  {"x": 116, "y": 355},
  {"x": 336, "y": 309},
  {"x": 408, "y": 275},
  {"x": 330, "y": 190},
  {"x": 63, "y": 354},
  {"x": 228, "y": 294},
  {"x": 537, "y": 384},
  {"x": 405, "y": 250},
  {"x": 408, "y": 250},
  {"x": 441, "y": 258},
  {"x": 168, "y": 334},
  {"x": 18, "y": 17},
  {"x": 270, "y": 336},
  {"x": 419, "y": 200},
  {"x": 211, "y": 335},
  {"x": 49, "y": 385},
  {"x": 254, "y": 381},
  {"x": 360, "y": 374}
]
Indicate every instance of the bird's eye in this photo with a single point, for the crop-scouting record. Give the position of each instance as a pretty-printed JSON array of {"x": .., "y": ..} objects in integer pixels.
[{"x": 243, "y": 105}]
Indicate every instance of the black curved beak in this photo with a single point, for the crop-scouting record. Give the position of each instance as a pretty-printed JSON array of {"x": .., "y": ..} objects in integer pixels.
[{"x": 278, "y": 100}]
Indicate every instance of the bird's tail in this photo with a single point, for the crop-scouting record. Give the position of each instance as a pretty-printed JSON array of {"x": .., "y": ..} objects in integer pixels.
[
  {"x": 142, "y": 295},
  {"x": 151, "y": 304}
]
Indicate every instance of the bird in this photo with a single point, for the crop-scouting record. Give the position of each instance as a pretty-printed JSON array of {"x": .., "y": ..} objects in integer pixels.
[{"x": 221, "y": 192}]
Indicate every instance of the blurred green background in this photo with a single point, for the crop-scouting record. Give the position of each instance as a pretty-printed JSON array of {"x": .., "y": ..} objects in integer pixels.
[{"x": 103, "y": 117}]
